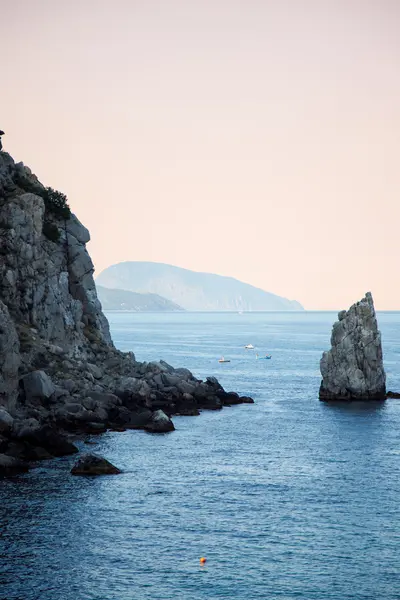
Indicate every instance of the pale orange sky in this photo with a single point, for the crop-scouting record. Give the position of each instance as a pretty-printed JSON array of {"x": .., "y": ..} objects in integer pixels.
[{"x": 254, "y": 138}]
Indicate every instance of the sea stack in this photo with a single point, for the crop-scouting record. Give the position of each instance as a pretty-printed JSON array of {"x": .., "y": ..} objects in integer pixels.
[{"x": 353, "y": 368}]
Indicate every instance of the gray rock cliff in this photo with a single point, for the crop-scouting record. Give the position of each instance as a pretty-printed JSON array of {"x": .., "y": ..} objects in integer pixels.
[
  {"x": 353, "y": 368},
  {"x": 59, "y": 370}
]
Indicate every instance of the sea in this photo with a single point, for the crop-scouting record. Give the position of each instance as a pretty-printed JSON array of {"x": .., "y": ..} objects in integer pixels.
[{"x": 287, "y": 498}]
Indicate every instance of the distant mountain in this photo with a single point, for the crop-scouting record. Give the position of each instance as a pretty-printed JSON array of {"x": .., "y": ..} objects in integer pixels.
[
  {"x": 114, "y": 299},
  {"x": 192, "y": 290}
]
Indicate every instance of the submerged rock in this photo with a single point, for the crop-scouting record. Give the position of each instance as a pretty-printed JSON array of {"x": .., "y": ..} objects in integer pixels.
[
  {"x": 91, "y": 464},
  {"x": 353, "y": 367}
]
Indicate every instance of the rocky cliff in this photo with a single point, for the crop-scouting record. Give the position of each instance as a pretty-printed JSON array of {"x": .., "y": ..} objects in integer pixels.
[
  {"x": 353, "y": 367},
  {"x": 59, "y": 370}
]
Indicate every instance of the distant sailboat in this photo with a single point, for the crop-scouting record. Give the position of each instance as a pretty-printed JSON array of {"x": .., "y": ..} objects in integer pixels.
[
  {"x": 249, "y": 347},
  {"x": 223, "y": 360}
]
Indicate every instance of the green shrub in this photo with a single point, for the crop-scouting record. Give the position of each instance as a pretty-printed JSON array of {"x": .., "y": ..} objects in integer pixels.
[
  {"x": 56, "y": 203},
  {"x": 51, "y": 231}
]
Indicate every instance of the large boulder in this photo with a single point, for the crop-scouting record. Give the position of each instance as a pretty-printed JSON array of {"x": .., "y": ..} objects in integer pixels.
[
  {"x": 159, "y": 423},
  {"x": 353, "y": 368},
  {"x": 38, "y": 385},
  {"x": 139, "y": 419},
  {"x": 50, "y": 439},
  {"x": 91, "y": 464}
]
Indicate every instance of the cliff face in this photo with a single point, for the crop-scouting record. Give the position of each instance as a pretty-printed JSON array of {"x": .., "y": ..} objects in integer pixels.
[
  {"x": 59, "y": 370},
  {"x": 353, "y": 367},
  {"x": 47, "y": 289}
]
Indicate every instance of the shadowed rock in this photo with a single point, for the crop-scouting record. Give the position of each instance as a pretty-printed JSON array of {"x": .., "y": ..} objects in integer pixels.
[
  {"x": 353, "y": 367},
  {"x": 10, "y": 465},
  {"x": 159, "y": 423},
  {"x": 91, "y": 464}
]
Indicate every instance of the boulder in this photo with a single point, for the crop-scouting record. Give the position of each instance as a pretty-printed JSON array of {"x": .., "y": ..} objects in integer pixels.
[
  {"x": 105, "y": 400},
  {"x": 353, "y": 368},
  {"x": 95, "y": 371},
  {"x": 25, "y": 428},
  {"x": 91, "y": 464},
  {"x": 60, "y": 395},
  {"x": 246, "y": 400},
  {"x": 186, "y": 387},
  {"x": 210, "y": 403},
  {"x": 159, "y": 423},
  {"x": 167, "y": 367},
  {"x": 25, "y": 451},
  {"x": 9, "y": 465},
  {"x": 70, "y": 385},
  {"x": 183, "y": 373},
  {"x": 139, "y": 419},
  {"x": 230, "y": 398},
  {"x": 213, "y": 381},
  {"x": 93, "y": 427},
  {"x": 51, "y": 440},
  {"x": 6, "y": 421},
  {"x": 37, "y": 385}
]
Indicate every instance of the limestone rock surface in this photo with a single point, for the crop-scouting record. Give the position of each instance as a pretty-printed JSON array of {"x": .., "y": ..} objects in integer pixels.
[{"x": 353, "y": 368}]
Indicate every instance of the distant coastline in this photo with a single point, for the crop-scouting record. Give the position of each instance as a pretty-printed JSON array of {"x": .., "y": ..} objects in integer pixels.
[{"x": 191, "y": 290}]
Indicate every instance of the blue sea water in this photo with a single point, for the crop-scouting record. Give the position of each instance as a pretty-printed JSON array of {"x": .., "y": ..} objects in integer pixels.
[{"x": 287, "y": 498}]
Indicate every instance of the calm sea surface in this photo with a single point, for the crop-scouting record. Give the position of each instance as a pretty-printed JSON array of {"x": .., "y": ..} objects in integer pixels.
[{"x": 287, "y": 498}]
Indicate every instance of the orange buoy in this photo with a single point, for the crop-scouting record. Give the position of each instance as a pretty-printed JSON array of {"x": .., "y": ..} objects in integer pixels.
[{"x": 203, "y": 560}]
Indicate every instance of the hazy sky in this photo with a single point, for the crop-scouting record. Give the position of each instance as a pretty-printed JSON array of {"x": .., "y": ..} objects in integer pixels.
[{"x": 255, "y": 138}]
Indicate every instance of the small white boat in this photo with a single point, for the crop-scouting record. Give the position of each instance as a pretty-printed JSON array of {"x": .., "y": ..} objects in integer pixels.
[
  {"x": 223, "y": 360},
  {"x": 249, "y": 347}
]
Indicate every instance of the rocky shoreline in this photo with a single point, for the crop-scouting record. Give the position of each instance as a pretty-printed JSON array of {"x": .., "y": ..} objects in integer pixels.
[
  {"x": 48, "y": 413},
  {"x": 59, "y": 370}
]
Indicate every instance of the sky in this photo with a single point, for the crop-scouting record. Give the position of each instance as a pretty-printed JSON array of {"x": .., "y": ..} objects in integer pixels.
[{"x": 255, "y": 139}]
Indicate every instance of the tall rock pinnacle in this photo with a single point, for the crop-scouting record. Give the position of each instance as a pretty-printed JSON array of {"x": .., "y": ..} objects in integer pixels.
[{"x": 353, "y": 368}]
